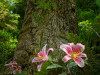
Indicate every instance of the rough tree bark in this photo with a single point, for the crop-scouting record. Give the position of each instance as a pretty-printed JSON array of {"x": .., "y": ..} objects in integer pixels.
[{"x": 56, "y": 23}]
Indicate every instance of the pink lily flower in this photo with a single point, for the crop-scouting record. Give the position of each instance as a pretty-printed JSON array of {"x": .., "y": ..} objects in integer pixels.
[
  {"x": 74, "y": 52},
  {"x": 16, "y": 69},
  {"x": 11, "y": 63},
  {"x": 42, "y": 56}
]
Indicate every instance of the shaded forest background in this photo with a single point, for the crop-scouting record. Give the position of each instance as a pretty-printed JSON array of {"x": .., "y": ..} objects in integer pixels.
[{"x": 88, "y": 12}]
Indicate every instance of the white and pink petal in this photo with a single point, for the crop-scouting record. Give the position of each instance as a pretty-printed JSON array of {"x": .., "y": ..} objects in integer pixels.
[
  {"x": 79, "y": 61},
  {"x": 71, "y": 45},
  {"x": 10, "y": 64},
  {"x": 14, "y": 72},
  {"x": 50, "y": 49},
  {"x": 79, "y": 48},
  {"x": 39, "y": 66},
  {"x": 44, "y": 49},
  {"x": 14, "y": 62},
  {"x": 66, "y": 58},
  {"x": 66, "y": 48},
  {"x": 37, "y": 59},
  {"x": 83, "y": 55},
  {"x": 41, "y": 54}
]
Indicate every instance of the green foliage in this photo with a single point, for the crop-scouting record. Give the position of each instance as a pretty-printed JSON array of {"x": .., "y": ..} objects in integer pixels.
[
  {"x": 43, "y": 71},
  {"x": 87, "y": 34},
  {"x": 46, "y": 5},
  {"x": 50, "y": 59},
  {"x": 98, "y": 4},
  {"x": 87, "y": 9},
  {"x": 53, "y": 66},
  {"x": 6, "y": 18},
  {"x": 63, "y": 73},
  {"x": 85, "y": 15},
  {"x": 87, "y": 4},
  {"x": 72, "y": 64},
  {"x": 19, "y": 8},
  {"x": 96, "y": 23},
  {"x": 7, "y": 47}
]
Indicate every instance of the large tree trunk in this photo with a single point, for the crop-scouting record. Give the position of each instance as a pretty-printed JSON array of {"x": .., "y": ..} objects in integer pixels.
[{"x": 45, "y": 27}]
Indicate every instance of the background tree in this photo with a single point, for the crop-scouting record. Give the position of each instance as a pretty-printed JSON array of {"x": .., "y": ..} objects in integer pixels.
[{"x": 45, "y": 22}]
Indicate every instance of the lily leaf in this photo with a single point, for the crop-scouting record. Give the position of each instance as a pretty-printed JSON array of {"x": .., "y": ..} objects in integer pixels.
[
  {"x": 53, "y": 66},
  {"x": 72, "y": 64}
]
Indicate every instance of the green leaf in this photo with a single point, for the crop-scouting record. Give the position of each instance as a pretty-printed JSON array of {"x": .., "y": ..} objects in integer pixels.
[
  {"x": 72, "y": 64},
  {"x": 53, "y": 66},
  {"x": 63, "y": 73},
  {"x": 49, "y": 58},
  {"x": 85, "y": 62}
]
